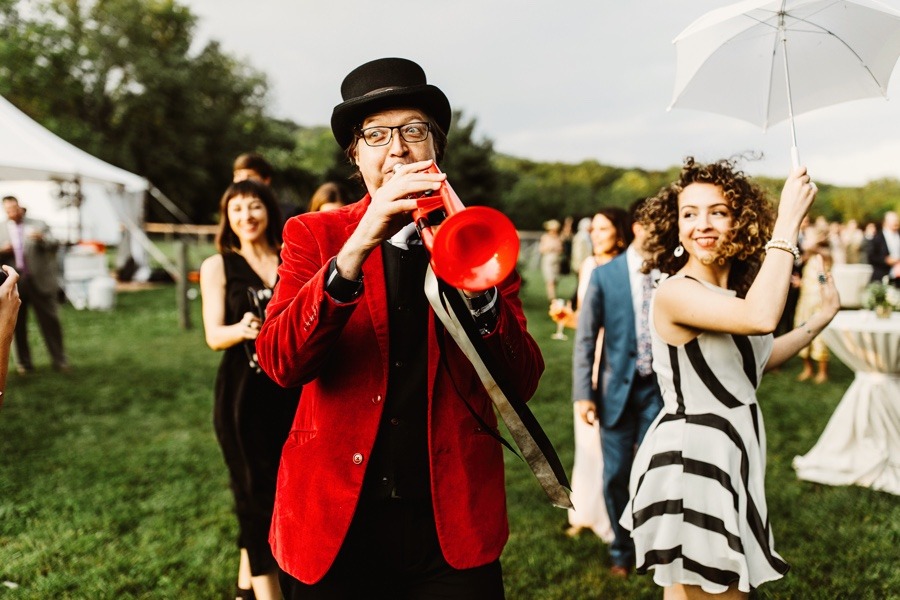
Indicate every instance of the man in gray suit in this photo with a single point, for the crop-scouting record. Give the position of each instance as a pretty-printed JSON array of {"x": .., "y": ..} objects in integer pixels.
[
  {"x": 28, "y": 245},
  {"x": 627, "y": 398}
]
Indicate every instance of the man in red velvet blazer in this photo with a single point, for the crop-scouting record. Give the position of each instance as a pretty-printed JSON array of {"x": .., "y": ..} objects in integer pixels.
[{"x": 390, "y": 483}]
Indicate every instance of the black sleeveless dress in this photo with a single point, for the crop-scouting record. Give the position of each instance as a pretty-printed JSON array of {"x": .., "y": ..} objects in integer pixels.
[{"x": 252, "y": 417}]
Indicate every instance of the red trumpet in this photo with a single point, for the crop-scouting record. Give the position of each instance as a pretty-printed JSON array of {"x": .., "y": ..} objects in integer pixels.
[{"x": 474, "y": 248}]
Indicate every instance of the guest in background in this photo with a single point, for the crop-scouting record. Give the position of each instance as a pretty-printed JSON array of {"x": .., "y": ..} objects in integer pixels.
[
  {"x": 550, "y": 248},
  {"x": 582, "y": 247},
  {"x": 252, "y": 414},
  {"x": 869, "y": 233},
  {"x": 626, "y": 397},
  {"x": 566, "y": 234},
  {"x": 884, "y": 252},
  {"x": 29, "y": 246},
  {"x": 251, "y": 165},
  {"x": 610, "y": 234},
  {"x": 836, "y": 246},
  {"x": 9, "y": 312},
  {"x": 327, "y": 196},
  {"x": 852, "y": 238},
  {"x": 814, "y": 355}
]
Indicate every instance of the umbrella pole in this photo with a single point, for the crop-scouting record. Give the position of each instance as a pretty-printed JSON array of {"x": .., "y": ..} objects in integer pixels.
[{"x": 795, "y": 153}]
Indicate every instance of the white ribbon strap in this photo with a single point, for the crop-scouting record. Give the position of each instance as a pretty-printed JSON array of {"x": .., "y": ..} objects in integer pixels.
[{"x": 531, "y": 452}]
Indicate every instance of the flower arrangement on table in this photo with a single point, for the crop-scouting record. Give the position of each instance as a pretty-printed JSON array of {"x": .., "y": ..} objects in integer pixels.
[{"x": 882, "y": 297}]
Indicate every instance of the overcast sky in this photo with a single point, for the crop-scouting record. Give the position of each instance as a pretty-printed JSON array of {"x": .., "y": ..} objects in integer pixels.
[{"x": 566, "y": 80}]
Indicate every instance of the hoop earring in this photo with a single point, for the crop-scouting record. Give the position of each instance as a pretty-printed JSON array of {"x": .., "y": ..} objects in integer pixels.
[{"x": 679, "y": 250}]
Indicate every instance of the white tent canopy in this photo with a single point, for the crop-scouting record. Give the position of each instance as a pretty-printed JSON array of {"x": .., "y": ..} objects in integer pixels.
[{"x": 31, "y": 153}]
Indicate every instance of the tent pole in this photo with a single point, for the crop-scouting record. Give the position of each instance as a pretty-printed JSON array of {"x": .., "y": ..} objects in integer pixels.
[{"x": 169, "y": 205}]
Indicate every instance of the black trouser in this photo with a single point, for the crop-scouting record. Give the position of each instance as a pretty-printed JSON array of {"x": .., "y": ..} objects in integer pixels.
[
  {"x": 45, "y": 309},
  {"x": 392, "y": 551},
  {"x": 618, "y": 445}
]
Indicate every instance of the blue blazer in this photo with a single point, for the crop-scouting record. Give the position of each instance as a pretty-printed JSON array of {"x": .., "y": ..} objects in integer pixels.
[{"x": 607, "y": 304}]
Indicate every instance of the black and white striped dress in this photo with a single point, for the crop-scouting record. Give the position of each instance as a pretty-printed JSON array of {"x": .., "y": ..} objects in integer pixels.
[{"x": 698, "y": 511}]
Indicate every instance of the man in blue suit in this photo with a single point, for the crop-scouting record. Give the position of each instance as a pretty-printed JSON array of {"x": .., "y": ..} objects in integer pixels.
[{"x": 627, "y": 397}]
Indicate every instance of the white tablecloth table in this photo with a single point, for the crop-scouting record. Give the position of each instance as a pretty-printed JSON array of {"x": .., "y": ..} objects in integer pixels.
[{"x": 861, "y": 443}]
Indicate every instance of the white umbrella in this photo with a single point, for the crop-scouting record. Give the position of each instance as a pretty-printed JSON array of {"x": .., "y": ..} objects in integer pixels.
[{"x": 764, "y": 61}]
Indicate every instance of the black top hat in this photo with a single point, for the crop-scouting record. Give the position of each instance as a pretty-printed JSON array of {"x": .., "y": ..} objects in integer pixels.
[{"x": 385, "y": 84}]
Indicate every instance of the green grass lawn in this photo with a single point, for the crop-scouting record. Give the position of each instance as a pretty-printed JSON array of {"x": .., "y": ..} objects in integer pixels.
[{"x": 112, "y": 485}]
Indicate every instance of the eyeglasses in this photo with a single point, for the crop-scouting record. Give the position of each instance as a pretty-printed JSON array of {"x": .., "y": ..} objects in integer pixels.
[{"x": 382, "y": 136}]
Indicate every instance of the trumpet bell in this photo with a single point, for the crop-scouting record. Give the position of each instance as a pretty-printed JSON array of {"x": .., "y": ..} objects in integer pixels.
[{"x": 475, "y": 249}]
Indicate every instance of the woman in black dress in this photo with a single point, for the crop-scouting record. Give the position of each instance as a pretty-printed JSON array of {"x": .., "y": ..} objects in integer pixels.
[{"x": 252, "y": 414}]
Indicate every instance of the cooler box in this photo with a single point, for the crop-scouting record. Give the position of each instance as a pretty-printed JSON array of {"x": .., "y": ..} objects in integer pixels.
[
  {"x": 82, "y": 264},
  {"x": 850, "y": 281}
]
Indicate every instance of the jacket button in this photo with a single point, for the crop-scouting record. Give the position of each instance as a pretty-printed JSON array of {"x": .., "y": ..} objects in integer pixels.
[
  {"x": 376, "y": 399},
  {"x": 357, "y": 458}
]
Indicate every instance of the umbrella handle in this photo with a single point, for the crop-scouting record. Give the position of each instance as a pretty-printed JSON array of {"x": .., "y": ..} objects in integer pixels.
[{"x": 795, "y": 158}]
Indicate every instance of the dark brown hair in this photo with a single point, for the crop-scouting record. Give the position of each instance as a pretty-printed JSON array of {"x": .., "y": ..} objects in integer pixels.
[
  {"x": 326, "y": 193},
  {"x": 227, "y": 240},
  {"x": 752, "y": 219},
  {"x": 253, "y": 162},
  {"x": 621, "y": 220}
]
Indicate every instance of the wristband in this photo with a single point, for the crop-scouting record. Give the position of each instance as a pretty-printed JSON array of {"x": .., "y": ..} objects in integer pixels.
[{"x": 340, "y": 288}]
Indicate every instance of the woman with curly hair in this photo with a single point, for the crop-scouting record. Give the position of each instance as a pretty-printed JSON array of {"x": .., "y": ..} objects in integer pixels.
[{"x": 698, "y": 512}]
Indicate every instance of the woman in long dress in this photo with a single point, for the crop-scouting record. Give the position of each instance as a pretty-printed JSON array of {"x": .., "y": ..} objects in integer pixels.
[
  {"x": 610, "y": 232},
  {"x": 550, "y": 247},
  {"x": 698, "y": 512},
  {"x": 252, "y": 414}
]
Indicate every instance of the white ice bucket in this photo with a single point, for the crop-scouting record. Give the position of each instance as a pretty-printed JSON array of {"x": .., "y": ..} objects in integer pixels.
[
  {"x": 101, "y": 293},
  {"x": 850, "y": 281}
]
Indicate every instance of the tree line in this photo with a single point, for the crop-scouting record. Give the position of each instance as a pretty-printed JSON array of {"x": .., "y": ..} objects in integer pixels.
[{"x": 121, "y": 79}]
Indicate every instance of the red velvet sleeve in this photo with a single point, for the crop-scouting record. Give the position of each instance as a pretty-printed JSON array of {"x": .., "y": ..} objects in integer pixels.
[{"x": 302, "y": 321}]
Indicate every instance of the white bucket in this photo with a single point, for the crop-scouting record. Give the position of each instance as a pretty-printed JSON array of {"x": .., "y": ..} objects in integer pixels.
[
  {"x": 850, "y": 281},
  {"x": 102, "y": 293}
]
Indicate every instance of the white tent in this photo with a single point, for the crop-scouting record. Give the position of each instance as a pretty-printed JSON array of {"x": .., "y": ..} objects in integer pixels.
[
  {"x": 80, "y": 194},
  {"x": 30, "y": 152}
]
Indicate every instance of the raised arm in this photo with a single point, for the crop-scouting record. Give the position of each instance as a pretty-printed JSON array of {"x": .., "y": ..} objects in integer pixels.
[
  {"x": 689, "y": 306},
  {"x": 9, "y": 311}
]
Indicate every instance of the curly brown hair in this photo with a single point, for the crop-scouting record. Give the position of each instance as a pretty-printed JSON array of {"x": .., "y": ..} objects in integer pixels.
[{"x": 753, "y": 216}]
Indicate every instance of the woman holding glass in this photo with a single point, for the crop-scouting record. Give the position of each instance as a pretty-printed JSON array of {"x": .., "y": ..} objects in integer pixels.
[{"x": 252, "y": 414}]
